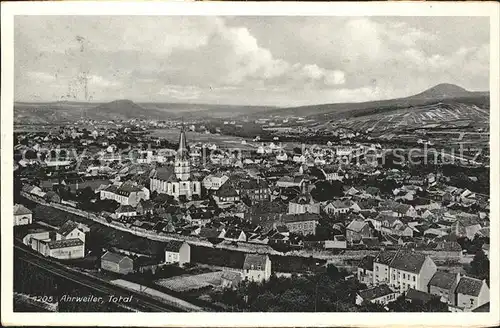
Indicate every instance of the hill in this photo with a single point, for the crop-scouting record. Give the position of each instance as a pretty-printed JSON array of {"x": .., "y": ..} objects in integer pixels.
[
  {"x": 64, "y": 111},
  {"x": 441, "y": 92},
  {"x": 122, "y": 109}
]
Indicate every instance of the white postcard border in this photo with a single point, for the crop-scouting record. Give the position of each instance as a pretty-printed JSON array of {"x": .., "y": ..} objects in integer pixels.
[{"x": 9, "y": 10}]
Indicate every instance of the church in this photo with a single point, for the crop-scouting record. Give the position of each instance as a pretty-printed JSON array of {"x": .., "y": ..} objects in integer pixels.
[{"x": 176, "y": 181}]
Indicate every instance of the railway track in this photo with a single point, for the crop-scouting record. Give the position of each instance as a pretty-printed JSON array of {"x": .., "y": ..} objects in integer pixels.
[{"x": 138, "y": 302}]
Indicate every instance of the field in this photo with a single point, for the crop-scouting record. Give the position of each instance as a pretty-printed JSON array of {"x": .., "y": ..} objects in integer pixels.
[
  {"x": 428, "y": 116},
  {"x": 189, "y": 283},
  {"x": 156, "y": 294},
  {"x": 172, "y": 135}
]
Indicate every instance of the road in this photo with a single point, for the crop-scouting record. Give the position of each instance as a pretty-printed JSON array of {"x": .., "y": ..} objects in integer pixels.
[{"x": 139, "y": 302}]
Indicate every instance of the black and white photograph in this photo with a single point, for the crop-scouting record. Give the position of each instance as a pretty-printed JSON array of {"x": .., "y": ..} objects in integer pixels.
[{"x": 178, "y": 163}]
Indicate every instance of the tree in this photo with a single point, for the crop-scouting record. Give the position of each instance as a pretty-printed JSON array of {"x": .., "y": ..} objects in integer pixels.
[
  {"x": 86, "y": 195},
  {"x": 327, "y": 190},
  {"x": 368, "y": 306},
  {"x": 480, "y": 266},
  {"x": 317, "y": 173}
]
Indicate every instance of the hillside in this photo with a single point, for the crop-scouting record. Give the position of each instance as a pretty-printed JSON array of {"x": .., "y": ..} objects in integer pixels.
[
  {"x": 441, "y": 92},
  {"x": 60, "y": 112}
]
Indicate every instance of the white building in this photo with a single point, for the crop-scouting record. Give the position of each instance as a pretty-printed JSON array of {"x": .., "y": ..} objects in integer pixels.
[
  {"x": 176, "y": 181},
  {"x": 126, "y": 193},
  {"x": 257, "y": 267},
  {"x": 177, "y": 252},
  {"x": 22, "y": 215},
  {"x": 214, "y": 181}
]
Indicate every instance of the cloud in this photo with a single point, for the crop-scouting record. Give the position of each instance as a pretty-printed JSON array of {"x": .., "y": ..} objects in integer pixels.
[
  {"x": 41, "y": 76},
  {"x": 250, "y": 60}
]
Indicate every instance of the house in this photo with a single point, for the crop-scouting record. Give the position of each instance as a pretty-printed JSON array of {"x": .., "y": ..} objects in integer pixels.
[
  {"x": 338, "y": 242},
  {"x": 126, "y": 193},
  {"x": 356, "y": 230},
  {"x": 60, "y": 249},
  {"x": 385, "y": 222},
  {"x": 255, "y": 189},
  {"x": 402, "y": 230},
  {"x": 226, "y": 193},
  {"x": 443, "y": 284},
  {"x": 414, "y": 295},
  {"x": 486, "y": 249},
  {"x": 37, "y": 233},
  {"x": 230, "y": 279},
  {"x": 381, "y": 294},
  {"x": 287, "y": 182},
  {"x": 71, "y": 230},
  {"x": 257, "y": 267},
  {"x": 177, "y": 251},
  {"x": 214, "y": 181},
  {"x": 411, "y": 270},
  {"x": 304, "y": 224},
  {"x": 145, "y": 207},
  {"x": 351, "y": 192},
  {"x": 403, "y": 270},
  {"x": 303, "y": 203},
  {"x": 370, "y": 242},
  {"x": 450, "y": 249},
  {"x": 332, "y": 173},
  {"x": 125, "y": 210},
  {"x": 34, "y": 190},
  {"x": 465, "y": 227},
  {"x": 22, "y": 215},
  {"x": 235, "y": 235},
  {"x": 52, "y": 197},
  {"x": 470, "y": 294},
  {"x": 398, "y": 209},
  {"x": 117, "y": 263},
  {"x": 365, "y": 270},
  {"x": 211, "y": 233},
  {"x": 338, "y": 207}
]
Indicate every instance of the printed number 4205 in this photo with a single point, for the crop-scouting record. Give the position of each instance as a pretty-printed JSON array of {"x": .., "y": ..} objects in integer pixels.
[{"x": 49, "y": 299}]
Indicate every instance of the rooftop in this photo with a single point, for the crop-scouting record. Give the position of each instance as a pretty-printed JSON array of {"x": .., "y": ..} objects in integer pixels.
[
  {"x": 113, "y": 257},
  {"x": 375, "y": 292},
  {"x": 21, "y": 210},
  {"x": 417, "y": 295},
  {"x": 173, "y": 245},
  {"x": 67, "y": 227},
  {"x": 444, "y": 280},
  {"x": 254, "y": 261},
  {"x": 65, "y": 243},
  {"x": 469, "y": 286},
  {"x": 408, "y": 261},
  {"x": 367, "y": 262},
  {"x": 356, "y": 225},
  {"x": 304, "y": 217}
]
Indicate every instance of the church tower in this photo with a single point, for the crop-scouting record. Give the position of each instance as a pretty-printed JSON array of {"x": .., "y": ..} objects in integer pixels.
[{"x": 181, "y": 166}]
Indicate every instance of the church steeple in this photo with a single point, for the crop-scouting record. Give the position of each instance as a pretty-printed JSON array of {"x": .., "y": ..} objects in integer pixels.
[
  {"x": 182, "y": 166},
  {"x": 182, "y": 150}
]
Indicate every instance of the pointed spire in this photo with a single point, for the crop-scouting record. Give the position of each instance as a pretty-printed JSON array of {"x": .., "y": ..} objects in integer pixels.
[{"x": 182, "y": 150}]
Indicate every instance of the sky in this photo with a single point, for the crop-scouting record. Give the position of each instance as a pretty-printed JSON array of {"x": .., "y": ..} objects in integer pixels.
[{"x": 279, "y": 61}]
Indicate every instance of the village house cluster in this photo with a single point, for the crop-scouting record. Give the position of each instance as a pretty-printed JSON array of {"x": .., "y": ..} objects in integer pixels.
[
  {"x": 415, "y": 275},
  {"x": 268, "y": 199}
]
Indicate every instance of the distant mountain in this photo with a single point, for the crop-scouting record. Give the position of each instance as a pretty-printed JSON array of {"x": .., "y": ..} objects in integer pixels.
[
  {"x": 121, "y": 109},
  {"x": 444, "y": 91},
  {"x": 441, "y": 92},
  {"x": 66, "y": 111}
]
